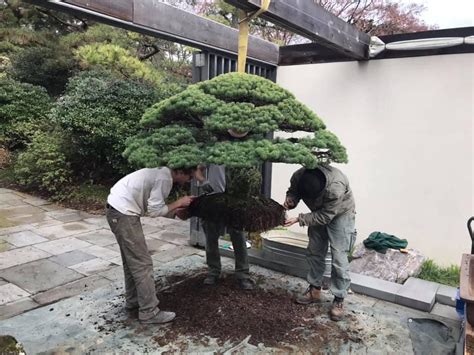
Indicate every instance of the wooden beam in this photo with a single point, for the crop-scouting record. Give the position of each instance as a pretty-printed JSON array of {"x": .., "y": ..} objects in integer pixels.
[
  {"x": 312, "y": 21},
  {"x": 154, "y": 18},
  {"x": 309, "y": 53}
]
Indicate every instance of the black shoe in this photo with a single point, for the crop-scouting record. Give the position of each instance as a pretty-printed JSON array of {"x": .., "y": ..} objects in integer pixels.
[
  {"x": 246, "y": 284},
  {"x": 211, "y": 280}
]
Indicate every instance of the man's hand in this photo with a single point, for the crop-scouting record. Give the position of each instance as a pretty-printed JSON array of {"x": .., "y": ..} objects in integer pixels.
[
  {"x": 185, "y": 201},
  {"x": 290, "y": 221},
  {"x": 289, "y": 203}
]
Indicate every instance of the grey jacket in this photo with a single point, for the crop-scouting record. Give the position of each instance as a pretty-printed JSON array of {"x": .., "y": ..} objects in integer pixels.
[{"x": 335, "y": 199}]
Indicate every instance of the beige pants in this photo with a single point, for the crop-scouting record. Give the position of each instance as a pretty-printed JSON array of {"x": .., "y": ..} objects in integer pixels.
[{"x": 137, "y": 264}]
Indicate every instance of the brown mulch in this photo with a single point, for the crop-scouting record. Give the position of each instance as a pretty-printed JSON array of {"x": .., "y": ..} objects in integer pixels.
[{"x": 227, "y": 313}]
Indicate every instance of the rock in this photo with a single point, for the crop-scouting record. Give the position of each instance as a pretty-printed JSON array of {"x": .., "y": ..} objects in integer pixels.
[{"x": 393, "y": 266}]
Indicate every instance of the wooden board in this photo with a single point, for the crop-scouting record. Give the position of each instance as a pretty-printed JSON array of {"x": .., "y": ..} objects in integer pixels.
[
  {"x": 312, "y": 21},
  {"x": 122, "y": 9},
  {"x": 164, "y": 21}
]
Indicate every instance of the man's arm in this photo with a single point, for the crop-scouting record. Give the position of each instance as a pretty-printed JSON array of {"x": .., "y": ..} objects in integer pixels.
[{"x": 156, "y": 202}]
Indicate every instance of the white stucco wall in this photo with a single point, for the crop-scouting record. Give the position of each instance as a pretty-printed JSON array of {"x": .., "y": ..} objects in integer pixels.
[{"x": 408, "y": 127}]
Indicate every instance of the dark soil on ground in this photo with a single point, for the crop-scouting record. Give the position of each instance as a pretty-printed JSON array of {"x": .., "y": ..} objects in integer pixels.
[{"x": 226, "y": 312}]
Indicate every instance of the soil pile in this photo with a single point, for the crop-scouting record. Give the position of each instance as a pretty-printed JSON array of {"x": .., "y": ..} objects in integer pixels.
[
  {"x": 227, "y": 313},
  {"x": 250, "y": 213}
]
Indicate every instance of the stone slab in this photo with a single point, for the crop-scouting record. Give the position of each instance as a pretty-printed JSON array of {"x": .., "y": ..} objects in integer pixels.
[
  {"x": 445, "y": 311},
  {"x": 446, "y": 295},
  {"x": 76, "y": 325},
  {"x": 29, "y": 218},
  {"x": 34, "y": 201},
  {"x": 64, "y": 245},
  {"x": 39, "y": 275},
  {"x": 117, "y": 260},
  {"x": 70, "y": 217},
  {"x": 71, "y": 258},
  {"x": 155, "y": 246},
  {"x": 65, "y": 230},
  {"x": 12, "y": 309},
  {"x": 51, "y": 207},
  {"x": 418, "y": 294},
  {"x": 19, "y": 256},
  {"x": 21, "y": 239},
  {"x": 174, "y": 238},
  {"x": 101, "y": 237},
  {"x": 370, "y": 286},
  {"x": 14, "y": 229},
  {"x": 98, "y": 221},
  {"x": 10, "y": 293},
  {"x": 20, "y": 211},
  {"x": 71, "y": 289},
  {"x": 8, "y": 196},
  {"x": 113, "y": 274},
  {"x": 3, "y": 282},
  {"x": 101, "y": 252},
  {"x": 92, "y": 266},
  {"x": 115, "y": 247},
  {"x": 4, "y": 246},
  {"x": 172, "y": 254}
]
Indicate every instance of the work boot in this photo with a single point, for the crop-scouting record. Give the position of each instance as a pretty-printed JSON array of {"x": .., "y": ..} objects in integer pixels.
[
  {"x": 337, "y": 309},
  {"x": 211, "y": 280},
  {"x": 311, "y": 295},
  {"x": 160, "y": 318},
  {"x": 246, "y": 284},
  {"x": 132, "y": 310}
]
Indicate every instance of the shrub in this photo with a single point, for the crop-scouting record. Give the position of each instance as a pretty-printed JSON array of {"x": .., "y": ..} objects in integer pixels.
[
  {"x": 23, "y": 110},
  {"x": 98, "y": 113},
  {"x": 44, "y": 66},
  {"x": 43, "y": 165},
  {"x": 449, "y": 275}
]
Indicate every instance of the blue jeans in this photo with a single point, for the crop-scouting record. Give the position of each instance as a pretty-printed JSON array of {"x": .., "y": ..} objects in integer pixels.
[{"x": 340, "y": 234}]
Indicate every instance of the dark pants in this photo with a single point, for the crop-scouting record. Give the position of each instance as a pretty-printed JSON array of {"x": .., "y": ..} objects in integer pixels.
[
  {"x": 213, "y": 231},
  {"x": 137, "y": 264}
]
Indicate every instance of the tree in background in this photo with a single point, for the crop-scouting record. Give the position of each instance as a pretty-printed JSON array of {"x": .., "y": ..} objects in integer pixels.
[{"x": 98, "y": 112}]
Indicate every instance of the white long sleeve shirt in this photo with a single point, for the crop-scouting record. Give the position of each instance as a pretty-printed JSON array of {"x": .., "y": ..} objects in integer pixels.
[{"x": 142, "y": 192}]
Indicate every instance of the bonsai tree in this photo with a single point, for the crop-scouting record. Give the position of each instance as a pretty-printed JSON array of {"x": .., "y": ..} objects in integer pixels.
[{"x": 226, "y": 121}]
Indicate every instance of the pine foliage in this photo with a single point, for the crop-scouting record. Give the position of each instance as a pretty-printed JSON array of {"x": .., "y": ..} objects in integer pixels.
[{"x": 193, "y": 126}]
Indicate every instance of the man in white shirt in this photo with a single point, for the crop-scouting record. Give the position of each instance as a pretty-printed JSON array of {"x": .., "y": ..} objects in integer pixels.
[{"x": 139, "y": 193}]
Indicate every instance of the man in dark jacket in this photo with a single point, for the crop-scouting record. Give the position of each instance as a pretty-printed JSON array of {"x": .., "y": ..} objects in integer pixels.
[{"x": 326, "y": 192}]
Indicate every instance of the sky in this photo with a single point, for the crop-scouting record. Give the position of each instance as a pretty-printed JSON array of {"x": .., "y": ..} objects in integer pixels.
[{"x": 447, "y": 13}]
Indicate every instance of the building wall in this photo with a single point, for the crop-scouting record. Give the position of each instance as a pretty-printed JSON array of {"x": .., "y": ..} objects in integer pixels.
[{"x": 408, "y": 127}]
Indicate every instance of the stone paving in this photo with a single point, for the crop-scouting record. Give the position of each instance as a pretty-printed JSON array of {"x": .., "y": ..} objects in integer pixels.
[{"x": 48, "y": 253}]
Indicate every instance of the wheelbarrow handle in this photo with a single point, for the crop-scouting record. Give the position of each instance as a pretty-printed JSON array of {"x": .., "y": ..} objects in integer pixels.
[{"x": 469, "y": 228}]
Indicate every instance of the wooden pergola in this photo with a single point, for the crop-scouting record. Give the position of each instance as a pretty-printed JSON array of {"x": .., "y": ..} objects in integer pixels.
[{"x": 155, "y": 18}]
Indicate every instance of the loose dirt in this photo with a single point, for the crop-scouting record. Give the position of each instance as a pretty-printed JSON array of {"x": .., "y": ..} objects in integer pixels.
[{"x": 227, "y": 313}]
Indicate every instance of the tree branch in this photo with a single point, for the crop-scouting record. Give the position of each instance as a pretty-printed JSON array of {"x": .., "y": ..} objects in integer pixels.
[{"x": 152, "y": 53}]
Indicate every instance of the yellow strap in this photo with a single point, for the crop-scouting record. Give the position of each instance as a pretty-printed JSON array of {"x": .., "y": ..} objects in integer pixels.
[{"x": 244, "y": 33}]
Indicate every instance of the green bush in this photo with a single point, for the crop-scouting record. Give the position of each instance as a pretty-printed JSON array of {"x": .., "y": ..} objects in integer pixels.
[
  {"x": 98, "y": 113},
  {"x": 43, "y": 165},
  {"x": 449, "y": 275},
  {"x": 23, "y": 110},
  {"x": 44, "y": 66}
]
